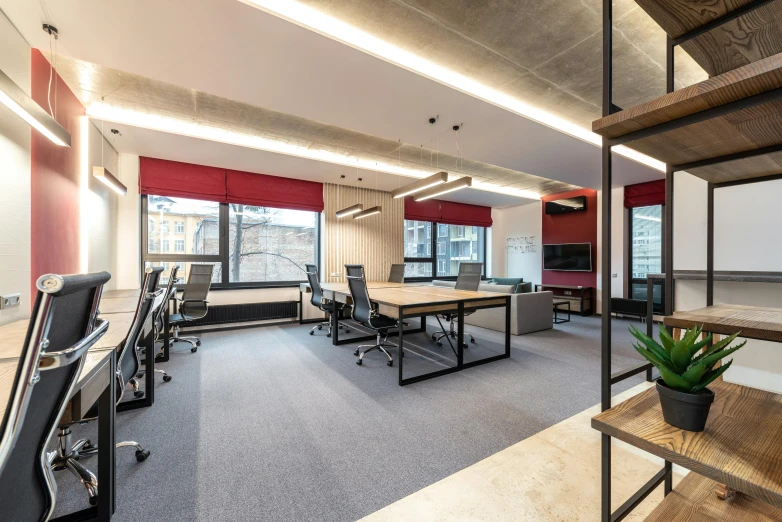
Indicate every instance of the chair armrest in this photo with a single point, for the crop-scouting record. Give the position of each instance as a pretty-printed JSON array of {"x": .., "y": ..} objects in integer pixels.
[{"x": 192, "y": 300}]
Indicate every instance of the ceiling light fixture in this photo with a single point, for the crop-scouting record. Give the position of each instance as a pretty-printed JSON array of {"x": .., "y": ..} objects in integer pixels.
[
  {"x": 13, "y": 97},
  {"x": 445, "y": 188},
  {"x": 350, "y": 210},
  {"x": 336, "y": 29},
  {"x": 368, "y": 212},
  {"x": 417, "y": 186},
  {"x": 102, "y": 173}
]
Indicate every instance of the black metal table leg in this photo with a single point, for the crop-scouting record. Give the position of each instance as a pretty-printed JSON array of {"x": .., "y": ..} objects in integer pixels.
[
  {"x": 334, "y": 318},
  {"x": 400, "y": 358},
  {"x": 106, "y": 444},
  {"x": 460, "y": 336},
  {"x": 507, "y": 327}
]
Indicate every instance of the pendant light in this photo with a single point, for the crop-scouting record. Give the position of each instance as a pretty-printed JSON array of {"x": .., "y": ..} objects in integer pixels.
[
  {"x": 102, "y": 173},
  {"x": 358, "y": 207},
  {"x": 370, "y": 211},
  {"x": 421, "y": 184},
  {"x": 461, "y": 183}
]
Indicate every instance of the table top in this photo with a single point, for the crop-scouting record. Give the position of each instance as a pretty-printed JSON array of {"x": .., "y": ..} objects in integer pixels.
[
  {"x": 399, "y": 294},
  {"x": 754, "y": 322},
  {"x": 119, "y": 301},
  {"x": 741, "y": 445},
  {"x": 12, "y": 337}
]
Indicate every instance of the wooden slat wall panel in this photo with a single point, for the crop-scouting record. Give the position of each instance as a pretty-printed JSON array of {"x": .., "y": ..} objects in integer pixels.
[{"x": 375, "y": 241}]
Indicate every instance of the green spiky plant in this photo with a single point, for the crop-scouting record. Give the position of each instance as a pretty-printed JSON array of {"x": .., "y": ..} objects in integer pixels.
[{"x": 680, "y": 365}]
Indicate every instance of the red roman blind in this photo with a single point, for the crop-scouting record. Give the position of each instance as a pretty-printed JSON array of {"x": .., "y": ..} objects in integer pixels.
[
  {"x": 448, "y": 212},
  {"x": 272, "y": 191},
  {"x": 185, "y": 180},
  {"x": 645, "y": 194},
  {"x": 175, "y": 179}
]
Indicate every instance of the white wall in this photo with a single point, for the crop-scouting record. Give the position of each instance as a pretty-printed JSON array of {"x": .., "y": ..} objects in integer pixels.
[
  {"x": 100, "y": 209},
  {"x": 524, "y": 220},
  {"x": 746, "y": 224},
  {"x": 127, "y": 271},
  {"x": 618, "y": 269},
  {"x": 14, "y": 179}
]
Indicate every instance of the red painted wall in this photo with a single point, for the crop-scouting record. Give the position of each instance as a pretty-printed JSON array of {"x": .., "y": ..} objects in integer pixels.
[
  {"x": 55, "y": 179},
  {"x": 578, "y": 227}
]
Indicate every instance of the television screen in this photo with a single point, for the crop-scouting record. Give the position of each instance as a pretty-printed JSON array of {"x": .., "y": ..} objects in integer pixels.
[{"x": 572, "y": 257}]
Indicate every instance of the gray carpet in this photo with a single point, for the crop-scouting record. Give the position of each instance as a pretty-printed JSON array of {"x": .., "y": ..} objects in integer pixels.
[{"x": 271, "y": 424}]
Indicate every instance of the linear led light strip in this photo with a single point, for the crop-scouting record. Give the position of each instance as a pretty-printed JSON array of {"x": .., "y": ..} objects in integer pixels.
[
  {"x": 207, "y": 132},
  {"x": 336, "y": 29},
  {"x": 13, "y": 97}
]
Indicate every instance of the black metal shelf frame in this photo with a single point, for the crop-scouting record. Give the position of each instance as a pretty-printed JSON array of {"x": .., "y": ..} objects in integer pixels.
[{"x": 607, "y": 378}]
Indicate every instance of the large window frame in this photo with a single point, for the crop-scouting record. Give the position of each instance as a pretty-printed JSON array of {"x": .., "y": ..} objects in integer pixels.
[
  {"x": 432, "y": 248},
  {"x": 642, "y": 282},
  {"x": 222, "y": 257}
]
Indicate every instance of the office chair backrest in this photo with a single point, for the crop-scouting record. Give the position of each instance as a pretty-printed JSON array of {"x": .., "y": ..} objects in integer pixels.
[
  {"x": 397, "y": 274},
  {"x": 151, "y": 296},
  {"x": 314, "y": 280},
  {"x": 167, "y": 293},
  {"x": 362, "y": 306},
  {"x": 469, "y": 276},
  {"x": 62, "y": 328},
  {"x": 198, "y": 283}
]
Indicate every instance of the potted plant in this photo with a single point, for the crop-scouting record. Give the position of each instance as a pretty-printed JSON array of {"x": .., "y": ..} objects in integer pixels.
[{"x": 685, "y": 373}]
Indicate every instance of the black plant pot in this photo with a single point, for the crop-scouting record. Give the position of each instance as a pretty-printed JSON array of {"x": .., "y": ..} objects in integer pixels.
[{"x": 687, "y": 411}]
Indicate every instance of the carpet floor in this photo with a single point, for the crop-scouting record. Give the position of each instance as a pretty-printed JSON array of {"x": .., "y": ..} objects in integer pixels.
[{"x": 272, "y": 424}]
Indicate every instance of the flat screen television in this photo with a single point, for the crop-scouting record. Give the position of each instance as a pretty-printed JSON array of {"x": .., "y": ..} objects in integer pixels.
[
  {"x": 564, "y": 206},
  {"x": 568, "y": 257}
]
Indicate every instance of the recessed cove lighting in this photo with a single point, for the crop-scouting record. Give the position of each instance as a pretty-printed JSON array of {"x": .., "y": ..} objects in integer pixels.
[
  {"x": 13, "y": 97},
  {"x": 336, "y": 29}
]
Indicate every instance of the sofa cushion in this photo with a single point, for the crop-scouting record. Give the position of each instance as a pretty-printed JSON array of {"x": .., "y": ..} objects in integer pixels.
[
  {"x": 500, "y": 289},
  {"x": 515, "y": 281}
]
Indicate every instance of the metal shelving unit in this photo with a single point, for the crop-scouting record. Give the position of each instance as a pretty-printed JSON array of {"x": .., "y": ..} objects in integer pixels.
[{"x": 671, "y": 124}]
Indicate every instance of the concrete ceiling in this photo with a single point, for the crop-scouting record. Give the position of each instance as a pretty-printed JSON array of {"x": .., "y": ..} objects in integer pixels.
[
  {"x": 239, "y": 53},
  {"x": 164, "y": 145}
]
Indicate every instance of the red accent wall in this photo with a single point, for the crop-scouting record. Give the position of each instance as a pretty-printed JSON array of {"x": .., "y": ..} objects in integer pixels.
[
  {"x": 54, "y": 187},
  {"x": 578, "y": 227}
]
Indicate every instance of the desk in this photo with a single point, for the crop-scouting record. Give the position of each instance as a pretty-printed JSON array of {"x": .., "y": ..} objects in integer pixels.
[
  {"x": 402, "y": 301},
  {"x": 95, "y": 383},
  {"x": 120, "y": 301}
]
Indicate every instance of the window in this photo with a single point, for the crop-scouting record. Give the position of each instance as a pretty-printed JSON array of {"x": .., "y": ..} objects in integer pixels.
[
  {"x": 164, "y": 227},
  {"x": 452, "y": 245},
  {"x": 646, "y": 225},
  {"x": 260, "y": 246}
]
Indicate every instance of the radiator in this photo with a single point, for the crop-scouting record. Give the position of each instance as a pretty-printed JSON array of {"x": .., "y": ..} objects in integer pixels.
[
  {"x": 240, "y": 313},
  {"x": 635, "y": 307}
]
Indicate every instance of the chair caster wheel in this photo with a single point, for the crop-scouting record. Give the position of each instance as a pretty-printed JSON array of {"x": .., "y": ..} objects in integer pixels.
[
  {"x": 347, "y": 331},
  {"x": 465, "y": 346},
  {"x": 356, "y": 353},
  {"x": 472, "y": 341},
  {"x": 94, "y": 501},
  {"x": 194, "y": 349},
  {"x": 312, "y": 332},
  {"x": 434, "y": 337},
  {"x": 139, "y": 375},
  {"x": 439, "y": 343},
  {"x": 139, "y": 394},
  {"x": 390, "y": 363},
  {"x": 166, "y": 378},
  {"x": 320, "y": 327},
  {"x": 141, "y": 455},
  {"x": 198, "y": 343},
  {"x": 328, "y": 335},
  {"x": 358, "y": 362}
]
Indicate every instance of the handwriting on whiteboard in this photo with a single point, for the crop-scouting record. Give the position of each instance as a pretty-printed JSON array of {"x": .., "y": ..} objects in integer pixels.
[{"x": 521, "y": 244}]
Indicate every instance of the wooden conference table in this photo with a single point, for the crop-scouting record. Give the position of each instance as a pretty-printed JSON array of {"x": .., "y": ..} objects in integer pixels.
[{"x": 404, "y": 301}]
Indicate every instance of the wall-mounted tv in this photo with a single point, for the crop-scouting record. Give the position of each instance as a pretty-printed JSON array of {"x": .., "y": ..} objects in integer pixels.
[
  {"x": 568, "y": 257},
  {"x": 564, "y": 206}
]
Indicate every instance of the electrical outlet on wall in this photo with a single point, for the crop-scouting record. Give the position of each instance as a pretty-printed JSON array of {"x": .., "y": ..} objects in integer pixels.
[
  {"x": 10, "y": 300},
  {"x": 614, "y": 276},
  {"x": 568, "y": 292}
]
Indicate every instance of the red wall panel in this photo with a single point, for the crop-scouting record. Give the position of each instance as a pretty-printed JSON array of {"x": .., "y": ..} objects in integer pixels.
[
  {"x": 54, "y": 187},
  {"x": 576, "y": 227}
]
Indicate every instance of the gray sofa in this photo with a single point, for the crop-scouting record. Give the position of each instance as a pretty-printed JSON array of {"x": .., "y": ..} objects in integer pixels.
[{"x": 529, "y": 312}]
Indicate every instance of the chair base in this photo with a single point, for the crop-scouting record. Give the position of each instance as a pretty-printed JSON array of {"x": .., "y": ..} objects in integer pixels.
[
  {"x": 382, "y": 339},
  {"x": 195, "y": 342},
  {"x": 327, "y": 324},
  {"x": 452, "y": 333},
  {"x": 166, "y": 377},
  {"x": 67, "y": 456}
]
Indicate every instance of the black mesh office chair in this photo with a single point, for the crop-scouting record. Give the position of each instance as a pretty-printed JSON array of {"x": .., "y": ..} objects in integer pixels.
[
  {"x": 469, "y": 278},
  {"x": 193, "y": 305},
  {"x": 63, "y": 326},
  {"x": 366, "y": 315},
  {"x": 332, "y": 307},
  {"x": 157, "y": 320},
  {"x": 68, "y": 455},
  {"x": 397, "y": 274}
]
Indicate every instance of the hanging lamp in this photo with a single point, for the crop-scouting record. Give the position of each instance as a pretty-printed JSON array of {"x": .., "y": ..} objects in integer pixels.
[{"x": 103, "y": 174}]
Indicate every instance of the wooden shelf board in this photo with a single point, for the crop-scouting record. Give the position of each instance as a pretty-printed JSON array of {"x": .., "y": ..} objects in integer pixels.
[
  {"x": 693, "y": 500},
  {"x": 741, "y": 445},
  {"x": 740, "y": 131},
  {"x": 754, "y": 322},
  {"x": 746, "y": 39}
]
